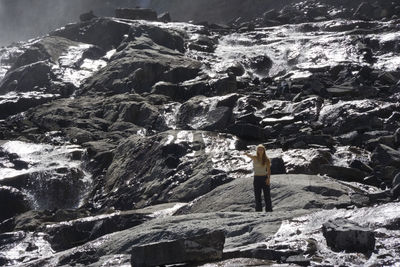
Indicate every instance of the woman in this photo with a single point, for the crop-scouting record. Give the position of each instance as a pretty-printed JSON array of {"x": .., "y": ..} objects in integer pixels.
[{"x": 262, "y": 175}]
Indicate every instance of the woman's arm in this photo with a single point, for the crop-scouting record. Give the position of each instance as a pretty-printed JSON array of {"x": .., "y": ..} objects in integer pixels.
[{"x": 250, "y": 156}]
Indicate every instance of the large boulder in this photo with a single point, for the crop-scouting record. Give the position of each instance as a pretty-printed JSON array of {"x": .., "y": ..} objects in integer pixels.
[
  {"x": 384, "y": 155},
  {"x": 277, "y": 166},
  {"x": 203, "y": 248},
  {"x": 12, "y": 202},
  {"x": 168, "y": 38},
  {"x": 204, "y": 113},
  {"x": 261, "y": 64},
  {"x": 347, "y": 116},
  {"x": 174, "y": 91},
  {"x": 342, "y": 234},
  {"x": 288, "y": 193},
  {"x": 343, "y": 173},
  {"x": 203, "y": 43},
  {"x": 104, "y": 32},
  {"x": 170, "y": 166},
  {"x": 141, "y": 64},
  {"x": 48, "y": 48},
  {"x": 33, "y": 77}
]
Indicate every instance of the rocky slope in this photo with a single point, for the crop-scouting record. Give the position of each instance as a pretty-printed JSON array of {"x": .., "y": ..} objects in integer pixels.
[{"x": 120, "y": 136}]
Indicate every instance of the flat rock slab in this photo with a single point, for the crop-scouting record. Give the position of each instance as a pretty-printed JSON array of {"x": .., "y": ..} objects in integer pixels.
[
  {"x": 202, "y": 248},
  {"x": 288, "y": 192}
]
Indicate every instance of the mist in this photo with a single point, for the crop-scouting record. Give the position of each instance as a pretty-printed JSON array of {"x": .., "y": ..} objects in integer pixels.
[{"x": 24, "y": 19}]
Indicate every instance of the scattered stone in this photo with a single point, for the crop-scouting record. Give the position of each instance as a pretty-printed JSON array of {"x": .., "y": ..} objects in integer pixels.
[
  {"x": 203, "y": 248},
  {"x": 342, "y": 234},
  {"x": 237, "y": 69},
  {"x": 261, "y": 64}
]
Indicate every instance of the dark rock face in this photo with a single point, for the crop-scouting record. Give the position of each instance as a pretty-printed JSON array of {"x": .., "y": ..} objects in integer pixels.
[
  {"x": 12, "y": 202},
  {"x": 207, "y": 247},
  {"x": 342, "y": 234}
]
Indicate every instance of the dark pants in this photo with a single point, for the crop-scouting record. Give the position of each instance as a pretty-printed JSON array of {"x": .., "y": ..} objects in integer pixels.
[{"x": 260, "y": 185}]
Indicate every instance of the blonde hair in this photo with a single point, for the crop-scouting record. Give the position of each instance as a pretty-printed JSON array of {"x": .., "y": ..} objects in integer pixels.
[{"x": 263, "y": 157}]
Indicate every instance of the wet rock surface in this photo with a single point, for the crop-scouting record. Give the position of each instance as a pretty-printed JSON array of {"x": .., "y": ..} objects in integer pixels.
[{"x": 130, "y": 131}]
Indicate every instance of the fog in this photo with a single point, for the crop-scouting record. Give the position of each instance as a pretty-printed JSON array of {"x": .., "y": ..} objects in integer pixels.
[{"x": 24, "y": 19}]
